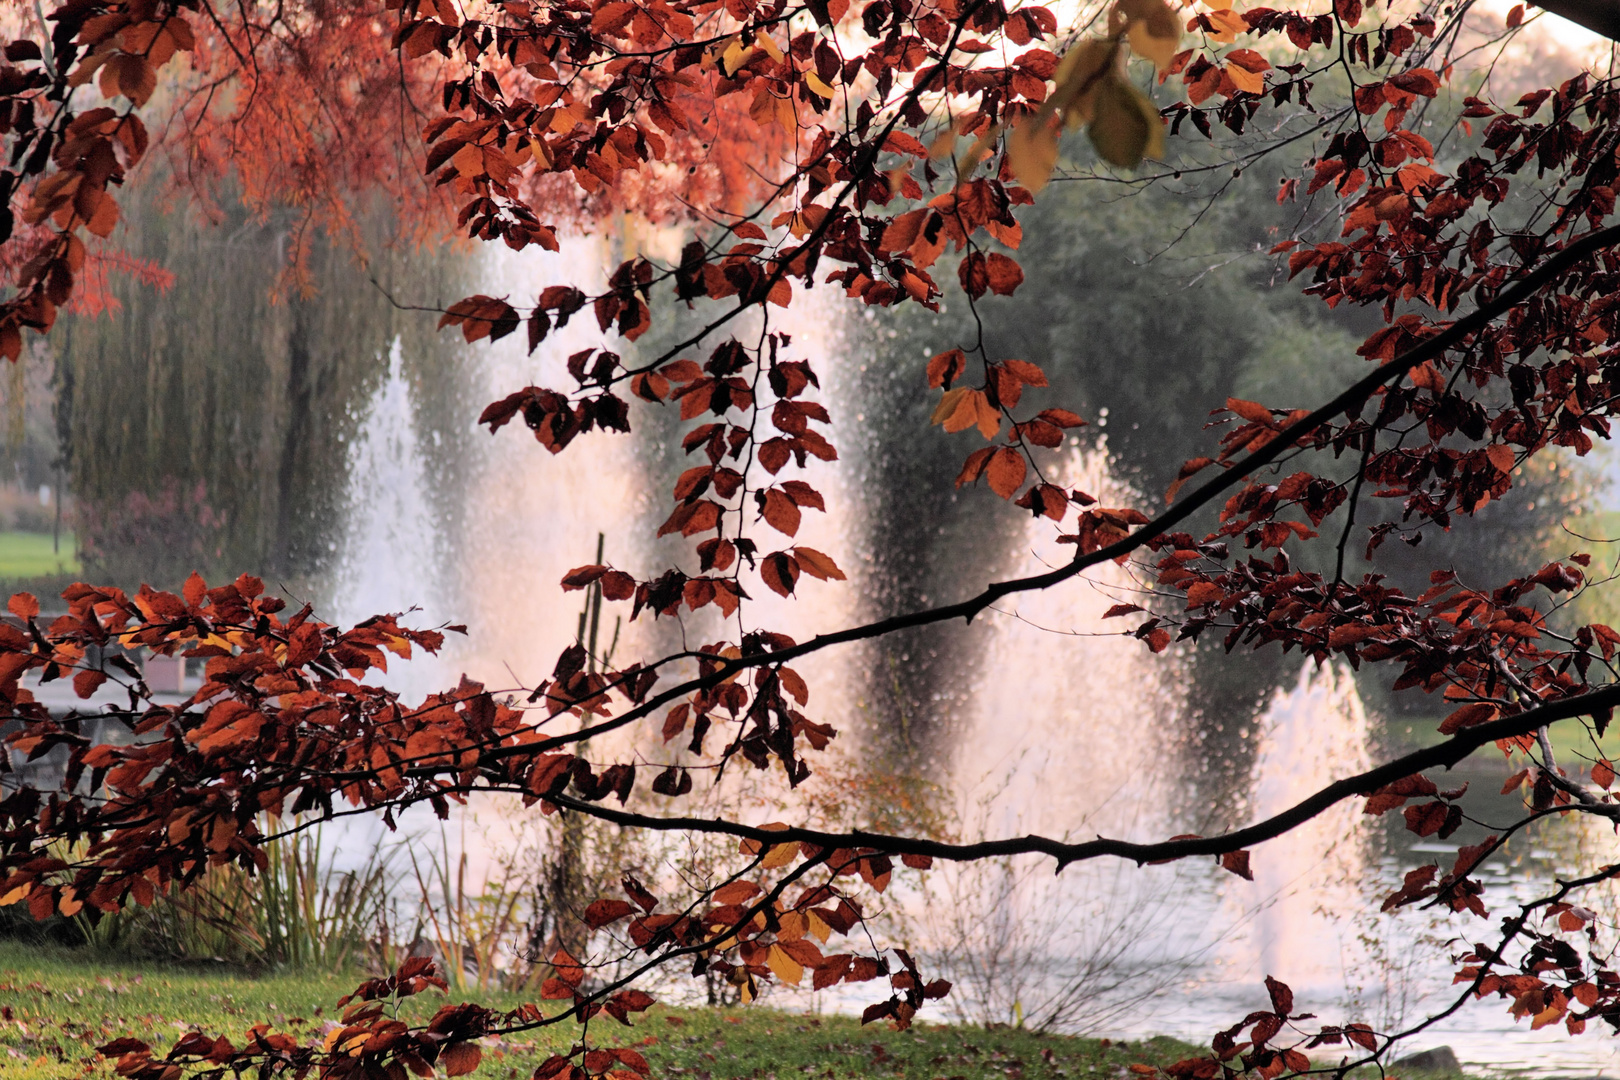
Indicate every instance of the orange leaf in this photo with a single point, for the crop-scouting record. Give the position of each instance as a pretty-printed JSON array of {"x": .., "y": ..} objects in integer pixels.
[
  {"x": 1004, "y": 276},
  {"x": 818, "y": 565},
  {"x": 1006, "y": 472}
]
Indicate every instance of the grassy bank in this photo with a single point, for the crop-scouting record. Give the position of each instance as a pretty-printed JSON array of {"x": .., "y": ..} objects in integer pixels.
[
  {"x": 57, "y": 1005},
  {"x": 32, "y": 555}
]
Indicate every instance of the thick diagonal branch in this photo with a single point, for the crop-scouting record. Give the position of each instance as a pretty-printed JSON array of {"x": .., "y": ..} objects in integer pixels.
[{"x": 1445, "y": 754}]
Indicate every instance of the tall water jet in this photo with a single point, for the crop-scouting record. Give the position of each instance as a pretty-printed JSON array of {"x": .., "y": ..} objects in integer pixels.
[
  {"x": 390, "y": 558},
  {"x": 1073, "y": 719},
  {"x": 1311, "y": 735}
]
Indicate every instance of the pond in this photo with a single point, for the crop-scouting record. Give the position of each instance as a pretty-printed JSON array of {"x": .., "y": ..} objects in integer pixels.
[{"x": 338, "y": 455}]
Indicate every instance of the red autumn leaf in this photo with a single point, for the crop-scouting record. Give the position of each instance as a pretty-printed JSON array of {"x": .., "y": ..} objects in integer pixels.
[
  {"x": 1003, "y": 275},
  {"x": 1006, "y": 471},
  {"x": 974, "y": 274},
  {"x": 459, "y": 1059},
  {"x": 781, "y": 512},
  {"x": 602, "y": 912},
  {"x": 944, "y": 368},
  {"x": 780, "y": 572}
]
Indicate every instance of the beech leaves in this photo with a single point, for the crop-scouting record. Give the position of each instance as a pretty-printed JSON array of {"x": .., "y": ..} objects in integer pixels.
[{"x": 1093, "y": 90}]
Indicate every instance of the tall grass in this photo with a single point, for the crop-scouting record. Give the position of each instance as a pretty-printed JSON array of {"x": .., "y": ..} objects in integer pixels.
[
  {"x": 300, "y": 912},
  {"x": 477, "y": 930}
]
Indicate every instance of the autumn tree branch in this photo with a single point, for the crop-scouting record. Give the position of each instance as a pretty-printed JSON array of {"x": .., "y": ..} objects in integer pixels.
[
  {"x": 1348, "y": 401},
  {"x": 1445, "y": 754}
]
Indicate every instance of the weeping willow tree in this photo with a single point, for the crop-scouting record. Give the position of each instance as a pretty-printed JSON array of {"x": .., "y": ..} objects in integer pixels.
[{"x": 210, "y": 427}]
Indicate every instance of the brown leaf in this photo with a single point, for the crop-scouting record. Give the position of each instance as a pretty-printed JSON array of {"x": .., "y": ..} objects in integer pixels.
[
  {"x": 1238, "y": 863},
  {"x": 781, "y": 512},
  {"x": 607, "y": 910},
  {"x": 780, "y": 572},
  {"x": 460, "y": 1058},
  {"x": 1468, "y": 716},
  {"x": 1282, "y": 998},
  {"x": 817, "y": 565},
  {"x": 581, "y": 576},
  {"x": 1006, "y": 472}
]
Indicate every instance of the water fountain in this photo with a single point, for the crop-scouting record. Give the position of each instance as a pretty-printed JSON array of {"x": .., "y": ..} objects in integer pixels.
[{"x": 1072, "y": 733}]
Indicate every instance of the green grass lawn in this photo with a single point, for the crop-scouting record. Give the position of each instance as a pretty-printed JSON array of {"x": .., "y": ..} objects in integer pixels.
[
  {"x": 57, "y": 1005},
  {"x": 29, "y": 555}
]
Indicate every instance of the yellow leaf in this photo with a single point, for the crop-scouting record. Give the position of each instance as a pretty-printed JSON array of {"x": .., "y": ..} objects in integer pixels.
[
  {"x": 779, "y": 855},
  {"x": 986, "y": 416},
  {"x": 783, "y": 966},
  {"x": 1155, "y": 32},
  {"x": 1125, "y": 127},
  {"x": 791, "y": 926},
  {"x": 735, "y": 56},
  {"x": 1032, "y": 152},
  {"x": 947, "y": 406},
  {"x": 818, "y": 926},
  {"x": 15, "y": 896},
  {"x": 1228, "y": 25},
  {"x": 69, "y": 905},
  {"x": 813, "y": 81},
  {"x": 1249, "y": 81},
  {"x": 980, "y": 151},
  {"x": 1550, "y": 1015},
  {"x": 763, "y": 40},
  {"x": 1147, "y": 44},
  {"x": 1082, "y": 70}
]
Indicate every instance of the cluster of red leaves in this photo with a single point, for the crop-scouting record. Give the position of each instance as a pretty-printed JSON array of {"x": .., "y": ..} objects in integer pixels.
[
  {"x": 284, "y": 724},
  {"x": 74, "y": 157},
  {"x": 370, "y": 1041},
  {"x": 744, "y": 931}
]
